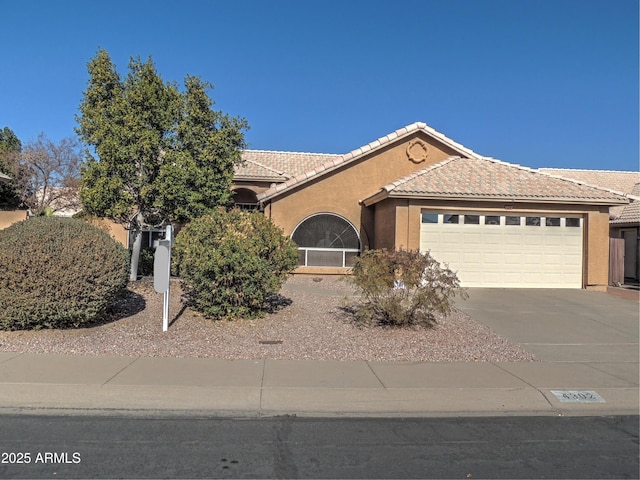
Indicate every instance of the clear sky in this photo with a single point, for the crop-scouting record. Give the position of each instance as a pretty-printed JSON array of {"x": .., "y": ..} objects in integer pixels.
[{"x": 536, "y": 82}]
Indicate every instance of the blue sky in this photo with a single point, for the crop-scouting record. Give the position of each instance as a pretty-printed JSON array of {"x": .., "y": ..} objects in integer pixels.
[{"x": 536, "y": 82}]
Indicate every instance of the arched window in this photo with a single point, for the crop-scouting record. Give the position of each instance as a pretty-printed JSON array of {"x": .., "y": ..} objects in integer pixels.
[
  {"x": 326, "y": 240},
  {"x": 245, "y": 199}
]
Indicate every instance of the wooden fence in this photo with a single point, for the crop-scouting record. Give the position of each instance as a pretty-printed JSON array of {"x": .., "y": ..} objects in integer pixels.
[{"x": 616, "y": 261}]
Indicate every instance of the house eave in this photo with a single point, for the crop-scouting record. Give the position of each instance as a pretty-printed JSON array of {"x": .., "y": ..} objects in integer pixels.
[
  {"x": 249, "y": 178},
  {"x": 493, "y": 198}
]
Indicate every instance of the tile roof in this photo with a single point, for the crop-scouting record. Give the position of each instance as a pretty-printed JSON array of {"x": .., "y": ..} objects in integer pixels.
[
  {"x": 487, "y": 178},
  {"x": 615, "y": 181},
  {"x": 250, "y": 169},
  {"x": 619, "y": 182},
  {"x": 339, "y": 160},
  {"x": 281, "y": 165},
  {"x": 629, "y": 213}
]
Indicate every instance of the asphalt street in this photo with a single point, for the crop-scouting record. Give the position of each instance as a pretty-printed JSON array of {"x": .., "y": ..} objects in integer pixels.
[{"x": 112, "y": 446}]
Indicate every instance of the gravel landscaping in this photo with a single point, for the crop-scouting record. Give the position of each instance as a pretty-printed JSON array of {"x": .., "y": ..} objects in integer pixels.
[{"x": 310, "y": 324}]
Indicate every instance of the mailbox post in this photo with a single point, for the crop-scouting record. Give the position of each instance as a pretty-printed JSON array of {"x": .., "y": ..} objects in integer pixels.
[{"x": 162, "y": 273}]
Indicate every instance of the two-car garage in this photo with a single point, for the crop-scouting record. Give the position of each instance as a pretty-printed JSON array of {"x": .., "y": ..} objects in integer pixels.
[{"x": 491, "y": 249}]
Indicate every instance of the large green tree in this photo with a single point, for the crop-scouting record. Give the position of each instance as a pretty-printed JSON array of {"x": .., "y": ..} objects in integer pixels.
[
  {"x": 10, "y": 147},
  {"x": 157, "y": 155}
]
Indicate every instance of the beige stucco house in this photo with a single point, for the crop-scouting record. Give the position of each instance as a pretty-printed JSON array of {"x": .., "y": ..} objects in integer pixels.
[{"x": 497, "y": 224}]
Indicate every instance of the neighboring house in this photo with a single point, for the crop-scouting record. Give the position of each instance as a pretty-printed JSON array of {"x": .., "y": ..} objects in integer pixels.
[
  {"x": 624, "y": 219},
  {"x": 497, "y": 224},
  {"x": 62, "y": 201}
]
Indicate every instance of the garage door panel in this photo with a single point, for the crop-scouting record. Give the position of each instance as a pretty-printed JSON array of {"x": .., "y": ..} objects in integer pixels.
[
  {"x": 492, "y": 238},
  {"x": 492, "y": 259},
  {"x": 532, "y": 238},
  {"x": 554, "y": 241},
  {"x": 513, "y": 238},
  {"x": 512, "y": 259},
  {"x": 508, "y": 255},
  {"x": 532, "y": 258},
  {"x": 469, "y": 238}
]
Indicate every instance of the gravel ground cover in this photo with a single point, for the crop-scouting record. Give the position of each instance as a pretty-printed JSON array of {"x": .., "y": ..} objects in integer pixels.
[{"x": 310, "y": 324}]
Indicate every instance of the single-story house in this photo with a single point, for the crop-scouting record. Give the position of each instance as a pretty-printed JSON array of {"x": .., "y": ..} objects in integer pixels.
[
  {"x": 495, "y": 223},
  {"x": 624, "y": 220}
]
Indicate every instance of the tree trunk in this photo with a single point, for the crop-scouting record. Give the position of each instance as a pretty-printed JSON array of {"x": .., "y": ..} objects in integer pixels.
[{"x": 135, "y": 254}]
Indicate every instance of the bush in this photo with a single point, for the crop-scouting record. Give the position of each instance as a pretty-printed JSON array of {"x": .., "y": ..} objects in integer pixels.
[
  {"x": 58, "y": 273},
  {"x": 402, "y": 288},
  {"x": 231, "y": 262},
  {"x": 145, "y": 263}
]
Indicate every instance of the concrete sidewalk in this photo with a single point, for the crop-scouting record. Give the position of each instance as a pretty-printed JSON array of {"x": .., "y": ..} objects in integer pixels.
[
  {"x": 30, "y": 382},
  {"x": 586, "y": 341}
]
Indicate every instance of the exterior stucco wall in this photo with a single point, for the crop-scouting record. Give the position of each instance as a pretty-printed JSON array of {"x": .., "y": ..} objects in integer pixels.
[
  {"x": 117, "y": 231},
  {"x": 597, "y": 250},
  {"x": 384, "y": 227},
  {"x": 9, "y": 217},
  {"x": 340, "y": 191}
]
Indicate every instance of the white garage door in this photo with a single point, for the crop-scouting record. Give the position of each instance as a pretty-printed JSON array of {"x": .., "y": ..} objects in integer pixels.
[{"x": 491, "y": 250}]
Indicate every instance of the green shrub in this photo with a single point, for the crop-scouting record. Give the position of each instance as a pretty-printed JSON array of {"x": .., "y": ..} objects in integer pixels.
[
  {"x": 402, "y": 288},
  {"x": 145, "y": 263},
  {"x": 230, "y": 262},
  {"x": 58, "y": 273}
]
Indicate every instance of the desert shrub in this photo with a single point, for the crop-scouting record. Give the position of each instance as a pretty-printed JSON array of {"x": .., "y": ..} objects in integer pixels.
[
  {"x": 58, "y": 273},
  {"x": 402, "y": 288},
  {"x": 231, "y": 262}
]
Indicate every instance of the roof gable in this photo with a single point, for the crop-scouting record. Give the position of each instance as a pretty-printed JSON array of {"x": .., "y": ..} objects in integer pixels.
[
  {"x": 490, "y": 179},
  {"x": 339, "y": 161}
]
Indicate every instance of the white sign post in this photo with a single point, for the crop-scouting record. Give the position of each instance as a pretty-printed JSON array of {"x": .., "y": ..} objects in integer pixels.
[{"x": 162, "y": 273}]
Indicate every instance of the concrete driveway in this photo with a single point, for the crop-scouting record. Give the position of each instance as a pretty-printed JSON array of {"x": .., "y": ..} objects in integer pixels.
[{"x": 560, "y": 325}]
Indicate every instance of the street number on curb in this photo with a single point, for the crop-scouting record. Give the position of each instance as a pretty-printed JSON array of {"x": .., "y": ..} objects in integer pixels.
[{"x": 578, "y": 396}]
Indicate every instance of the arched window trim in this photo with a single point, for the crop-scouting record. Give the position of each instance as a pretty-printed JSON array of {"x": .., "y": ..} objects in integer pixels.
[{"x": 328, "y": 256}]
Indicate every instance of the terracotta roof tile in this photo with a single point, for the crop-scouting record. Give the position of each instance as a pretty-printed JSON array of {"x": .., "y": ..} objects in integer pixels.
[
  {"x": 615, "y": 181},
  {"x": 255, "y": 170},
  {"x": 620, "y": 182},
  {"x": 487, "y": 178},
  {"x": 285, "y": 165},
  {"x": 629, "y": 213}
]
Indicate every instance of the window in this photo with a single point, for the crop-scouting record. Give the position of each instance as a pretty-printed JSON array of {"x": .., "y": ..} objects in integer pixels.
[
  {"x": 552, "y": 221},
  {"x": 452, "y": 219},
  {"x": 532, "y": 221},
  {"x": 245, "y": 199},
  {"x": 148, "y": 237},
  {"x": 510, "y": 220},
  {"x": 472, "y": 219},
  {"x": 429, "y": 218},
  {"x": 572, "y": 222},
  {"x": 492, "y": 220},
  {"x": 326, "y": 240}
]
